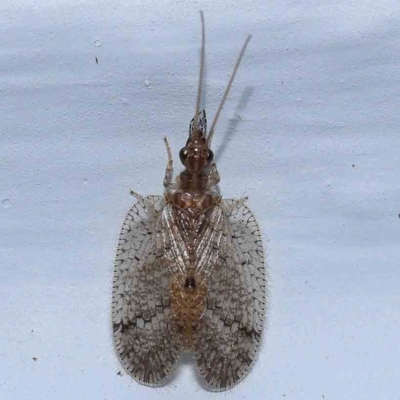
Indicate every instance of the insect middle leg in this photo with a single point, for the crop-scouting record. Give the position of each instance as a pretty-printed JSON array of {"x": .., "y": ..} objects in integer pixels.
[{"x": 213, "y": 176}]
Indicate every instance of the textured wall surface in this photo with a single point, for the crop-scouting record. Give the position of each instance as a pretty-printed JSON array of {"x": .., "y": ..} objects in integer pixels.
[{"x": 310, "y": 133}]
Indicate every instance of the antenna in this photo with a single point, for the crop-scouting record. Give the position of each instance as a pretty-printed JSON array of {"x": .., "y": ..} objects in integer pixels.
[
  {"x": 203, "y": 41},
  {"x": 228, "y": 88}
]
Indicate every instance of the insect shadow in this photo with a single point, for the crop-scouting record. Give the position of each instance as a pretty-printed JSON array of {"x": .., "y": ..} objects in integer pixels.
[{"x": 234, "y": 122}]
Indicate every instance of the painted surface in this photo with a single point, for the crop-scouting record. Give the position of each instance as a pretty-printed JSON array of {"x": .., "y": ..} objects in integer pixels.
[{"x": 310, "y": 133}]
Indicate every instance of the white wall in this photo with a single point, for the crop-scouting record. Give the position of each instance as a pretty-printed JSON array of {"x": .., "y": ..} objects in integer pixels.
[{"x": 310, "y": 133}]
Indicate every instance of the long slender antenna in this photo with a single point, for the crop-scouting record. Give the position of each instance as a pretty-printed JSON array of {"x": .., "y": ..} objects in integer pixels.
[
  {"x": 203, "y": 41},
  {"x": 228, "y": 88}
]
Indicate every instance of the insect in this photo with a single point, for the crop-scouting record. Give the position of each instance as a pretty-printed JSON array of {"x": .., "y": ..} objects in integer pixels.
[{"x": 189, "y": 271}]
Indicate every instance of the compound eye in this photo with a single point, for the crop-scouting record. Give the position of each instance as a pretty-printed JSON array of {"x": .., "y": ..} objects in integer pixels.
[
  {"x": 210, "y": 156},
  {"x": 183, "y": 155}
]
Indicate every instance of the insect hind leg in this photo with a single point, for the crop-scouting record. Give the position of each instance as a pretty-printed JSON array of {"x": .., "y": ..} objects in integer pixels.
[{"x": 138, "y": 196}]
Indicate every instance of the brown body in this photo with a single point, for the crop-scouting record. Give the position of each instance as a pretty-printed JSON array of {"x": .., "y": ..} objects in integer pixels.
[
  {"x": 195, "y": 195},
  {"x": 193, "y": 198}
]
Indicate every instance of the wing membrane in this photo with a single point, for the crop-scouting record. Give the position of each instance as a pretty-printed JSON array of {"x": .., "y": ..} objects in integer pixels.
[
  {"x": 144, "y": 338},
  {"x": 229, "y": 336},
  {"x": 154, "y": 250}
]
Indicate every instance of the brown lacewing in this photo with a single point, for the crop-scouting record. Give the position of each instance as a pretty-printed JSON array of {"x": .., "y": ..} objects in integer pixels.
[{"x": 189, "y": 273}]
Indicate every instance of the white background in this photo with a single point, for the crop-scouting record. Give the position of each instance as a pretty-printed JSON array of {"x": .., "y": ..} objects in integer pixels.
[{"x": 310, "y": 133}]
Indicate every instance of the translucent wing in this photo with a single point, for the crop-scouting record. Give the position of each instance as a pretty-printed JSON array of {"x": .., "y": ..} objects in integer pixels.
[
  {"x": 182, "y": 232},
  {"x": 202, "y": 123},
  {"x": 143, "y": 336},
  {"x": 230, "y": 331}
]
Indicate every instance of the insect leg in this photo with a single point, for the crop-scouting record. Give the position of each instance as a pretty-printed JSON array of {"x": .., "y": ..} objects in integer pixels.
[
  {"x": 147, "y": 203},
  {"x": 213, "y": 176},
  {"x": 137, "y": 195},
  {"x": 169, "y": 169}
]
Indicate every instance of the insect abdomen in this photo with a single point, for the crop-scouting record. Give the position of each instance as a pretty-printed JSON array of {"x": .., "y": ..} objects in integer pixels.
[{"x": 187, "y": 305}]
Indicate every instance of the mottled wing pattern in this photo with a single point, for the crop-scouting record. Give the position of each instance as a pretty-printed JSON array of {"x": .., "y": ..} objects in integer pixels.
[
  {"x": 229, "y": 336},
  {"x": 202, "y": 125},
  {"x": 143, "y": 336}
]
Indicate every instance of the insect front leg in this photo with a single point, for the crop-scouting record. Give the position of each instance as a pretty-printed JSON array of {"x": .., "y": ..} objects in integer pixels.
[{"x": 169, "y": 169}]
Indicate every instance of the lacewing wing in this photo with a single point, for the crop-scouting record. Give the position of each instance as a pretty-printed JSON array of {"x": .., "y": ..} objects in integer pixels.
[{"x": 189, "y": 272}]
